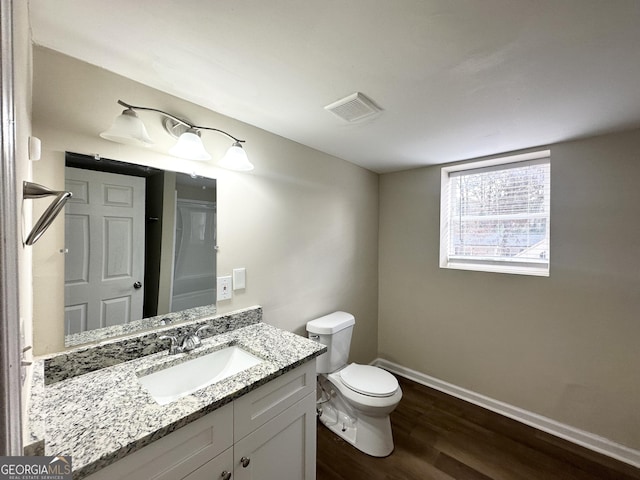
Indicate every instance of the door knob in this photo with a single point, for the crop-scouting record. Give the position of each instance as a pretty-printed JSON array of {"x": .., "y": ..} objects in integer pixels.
[
  {"x": 137, "y": 285},
  {"x": 225, "y": 475},
  {"x": 245, "y": 462}
]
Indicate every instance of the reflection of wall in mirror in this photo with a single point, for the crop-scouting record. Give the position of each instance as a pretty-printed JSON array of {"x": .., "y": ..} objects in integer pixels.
[{"x": 194, "y": 280}]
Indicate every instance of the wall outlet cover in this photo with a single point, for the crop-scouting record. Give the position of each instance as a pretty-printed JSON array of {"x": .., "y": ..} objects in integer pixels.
[{"x": 224, "y": 288}]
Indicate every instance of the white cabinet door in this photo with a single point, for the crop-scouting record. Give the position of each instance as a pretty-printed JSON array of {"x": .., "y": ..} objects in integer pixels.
[
  {"x": 219, "y": 468},
  {"x": 282, "y": 448}
]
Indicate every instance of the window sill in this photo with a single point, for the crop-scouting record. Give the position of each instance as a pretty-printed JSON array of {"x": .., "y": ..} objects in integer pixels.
[{"x": 535, "y": 271}]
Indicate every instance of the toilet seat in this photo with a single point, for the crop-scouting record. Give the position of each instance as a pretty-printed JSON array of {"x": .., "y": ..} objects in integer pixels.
[{"x": 369, "y": 380}]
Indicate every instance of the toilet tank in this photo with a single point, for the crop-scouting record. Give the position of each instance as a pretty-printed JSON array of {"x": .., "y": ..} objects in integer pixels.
[{"x": 334, "y": 331}]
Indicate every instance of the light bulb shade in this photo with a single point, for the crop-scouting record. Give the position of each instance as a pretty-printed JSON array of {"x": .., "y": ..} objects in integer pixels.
[
  {"x": 127, "y": 128},
  {"x": 236, "y": 159},
  {"x": 190, "y": 146}
]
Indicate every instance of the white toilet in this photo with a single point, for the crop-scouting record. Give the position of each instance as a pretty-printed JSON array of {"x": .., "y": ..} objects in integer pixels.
[{"x": 354, "y": 400}]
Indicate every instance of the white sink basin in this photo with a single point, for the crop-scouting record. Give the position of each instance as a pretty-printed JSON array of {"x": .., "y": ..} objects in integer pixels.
[{"x": 174, "y": 382}]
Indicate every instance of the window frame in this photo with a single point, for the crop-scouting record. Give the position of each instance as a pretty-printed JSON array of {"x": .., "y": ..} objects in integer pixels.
[{"x": 520, "y": 267}]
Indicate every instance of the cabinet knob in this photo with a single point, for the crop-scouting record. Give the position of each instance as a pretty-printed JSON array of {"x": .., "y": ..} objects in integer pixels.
[
  {"x": 245, "y": 461},
  {"x": 225, "y": 475},
  {"x": 137, "y": 285}
]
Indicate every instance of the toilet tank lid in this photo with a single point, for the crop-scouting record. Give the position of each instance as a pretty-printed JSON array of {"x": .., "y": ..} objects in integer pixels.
[{"x": 332, "y": 323}]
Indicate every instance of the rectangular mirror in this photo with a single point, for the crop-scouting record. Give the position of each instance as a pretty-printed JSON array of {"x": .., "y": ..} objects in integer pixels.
[{"x": 139, "y": 243}]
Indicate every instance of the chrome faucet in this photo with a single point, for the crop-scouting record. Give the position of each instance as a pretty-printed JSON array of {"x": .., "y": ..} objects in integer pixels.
[{"x": 186, "y": 343}]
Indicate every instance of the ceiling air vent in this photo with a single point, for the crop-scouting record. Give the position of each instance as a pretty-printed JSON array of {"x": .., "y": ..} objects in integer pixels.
[{"x": 353, "y": 108}]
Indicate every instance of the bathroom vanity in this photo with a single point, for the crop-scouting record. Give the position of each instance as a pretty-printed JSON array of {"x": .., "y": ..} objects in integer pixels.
[
  {"x": 268, "y": 433},
  {"x": 257, "y": 423}
]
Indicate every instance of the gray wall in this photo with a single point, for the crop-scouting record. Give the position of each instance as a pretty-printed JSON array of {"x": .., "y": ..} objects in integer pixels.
[
  {"x": 565, "y": 346},
  {"x": 304, "y": 224}
]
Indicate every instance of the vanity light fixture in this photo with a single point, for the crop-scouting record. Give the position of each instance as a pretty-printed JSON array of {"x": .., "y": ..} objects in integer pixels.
[{"x": 129, "y": 129}]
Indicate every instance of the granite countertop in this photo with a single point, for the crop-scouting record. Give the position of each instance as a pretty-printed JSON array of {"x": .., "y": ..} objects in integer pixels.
[{"x": 102, "y": 416}]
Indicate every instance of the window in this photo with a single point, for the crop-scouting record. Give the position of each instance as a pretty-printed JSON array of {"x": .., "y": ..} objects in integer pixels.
[{"x": 495, "y": 215}]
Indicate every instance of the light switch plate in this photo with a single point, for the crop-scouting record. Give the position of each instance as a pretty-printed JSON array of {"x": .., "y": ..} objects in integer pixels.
[
  {"x": 224, "y": 288},
  {"x": 239, "y": 278}
]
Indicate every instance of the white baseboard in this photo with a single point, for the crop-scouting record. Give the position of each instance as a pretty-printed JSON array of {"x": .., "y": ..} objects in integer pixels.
[{"x": 580, "y": 437}]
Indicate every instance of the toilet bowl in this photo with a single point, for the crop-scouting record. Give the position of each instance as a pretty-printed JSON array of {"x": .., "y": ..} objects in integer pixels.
[
  {"x": 354, "y": 401},
  {"x": 379, "y": 400}
]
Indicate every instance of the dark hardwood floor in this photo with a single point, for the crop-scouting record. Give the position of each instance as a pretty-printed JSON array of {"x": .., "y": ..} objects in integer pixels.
[{"x": 442, "y": 438}]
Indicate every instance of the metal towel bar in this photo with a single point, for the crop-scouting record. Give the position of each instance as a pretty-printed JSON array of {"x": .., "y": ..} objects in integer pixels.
[{"x": 32, "y": 190}]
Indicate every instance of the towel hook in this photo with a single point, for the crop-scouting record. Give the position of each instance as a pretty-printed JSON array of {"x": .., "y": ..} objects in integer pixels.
[{"x": 32, "y": 190}]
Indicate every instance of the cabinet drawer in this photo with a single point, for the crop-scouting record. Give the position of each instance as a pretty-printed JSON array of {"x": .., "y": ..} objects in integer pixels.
[
  {"x": 214, "y": 469},
  {"x": 264, "y": 403},
  {"x": 177, "y": 454}
]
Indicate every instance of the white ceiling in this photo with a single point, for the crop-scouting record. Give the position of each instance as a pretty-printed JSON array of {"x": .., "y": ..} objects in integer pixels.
[{"x": 456, "y": 79}]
